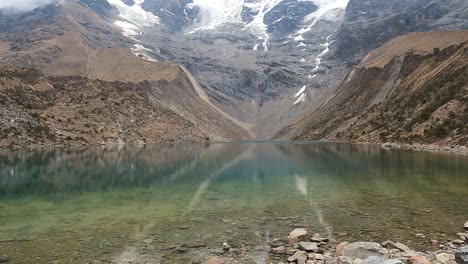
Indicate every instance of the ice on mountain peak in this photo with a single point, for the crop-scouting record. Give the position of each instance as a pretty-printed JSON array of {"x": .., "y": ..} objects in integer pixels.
[
  {"x": 218, "y": 12},
  {"x": 135, "y": 14}
]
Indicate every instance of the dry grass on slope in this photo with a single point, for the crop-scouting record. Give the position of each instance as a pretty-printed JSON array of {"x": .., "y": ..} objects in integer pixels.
[
  {"x": 414, "y": 98},
  {"x": 422, "y": 43}
]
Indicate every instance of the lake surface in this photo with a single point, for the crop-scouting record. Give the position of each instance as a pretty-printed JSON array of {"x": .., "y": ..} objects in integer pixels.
[{"x": 141, "y": 204}]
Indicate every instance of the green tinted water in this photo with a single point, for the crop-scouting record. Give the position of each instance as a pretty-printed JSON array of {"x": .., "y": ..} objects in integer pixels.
[{"x": 101, "y": 204}]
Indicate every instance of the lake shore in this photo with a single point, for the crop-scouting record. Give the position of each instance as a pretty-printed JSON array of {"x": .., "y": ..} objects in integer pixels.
[
  {"x": 303, "y": 248},
  {"x": 458, "y": 150}
]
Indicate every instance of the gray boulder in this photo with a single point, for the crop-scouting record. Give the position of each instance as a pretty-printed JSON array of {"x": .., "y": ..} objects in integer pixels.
[
  {"x": 363, "y": 250},
  {"x": 461, "y": 256},
  {"x": 309, "y": 246}
]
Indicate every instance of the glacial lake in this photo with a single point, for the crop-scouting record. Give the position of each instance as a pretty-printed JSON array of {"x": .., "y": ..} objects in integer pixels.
[{"x": 180, "y": 203}]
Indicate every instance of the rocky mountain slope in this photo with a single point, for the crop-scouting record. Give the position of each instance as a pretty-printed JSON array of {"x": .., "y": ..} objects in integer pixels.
[
  {"x": 260, "y": 64},
  {"x": 412, "y": 89},
  {"x": 40, "y": 110}
]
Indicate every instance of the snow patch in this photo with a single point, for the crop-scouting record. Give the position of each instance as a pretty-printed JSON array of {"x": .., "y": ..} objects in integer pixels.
[
  {"x": 135, "y": 14},
  {"x": 318, "y": 60},
  {"x": 217, "y": 12},
  {"x": 301, "y": 91},
  {"x": 299, "y": 38},
  {"x": 128, "y": 29},
  {"x": 257, "y": 26},
  {"x": 132, "y": 19},
  {"x": 137, "y": 47},
  {"x": 328, "y": 10},
  {"x": 145, "y": 56},
  {"x": 301, "y": 94},
  {"x": 301, "y": 99},
  {"x": 302, "y": 44}
]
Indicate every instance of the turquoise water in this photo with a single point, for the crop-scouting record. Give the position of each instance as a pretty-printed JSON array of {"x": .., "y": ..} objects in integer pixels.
[{"x": 78, "y": 206}]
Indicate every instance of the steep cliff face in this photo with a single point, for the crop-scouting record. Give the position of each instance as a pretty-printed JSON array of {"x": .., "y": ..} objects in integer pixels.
[
  {"x": 369, "y": 24},
  {"x": 412, "y": 90},
  {"x": 39, "y": 110}
]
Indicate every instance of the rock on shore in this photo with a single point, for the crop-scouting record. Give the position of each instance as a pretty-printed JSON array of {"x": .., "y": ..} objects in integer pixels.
[{"x": 300, "y": 248}]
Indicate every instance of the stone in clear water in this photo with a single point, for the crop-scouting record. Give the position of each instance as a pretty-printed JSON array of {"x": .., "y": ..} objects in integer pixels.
[{"x": 363, "y": 250}]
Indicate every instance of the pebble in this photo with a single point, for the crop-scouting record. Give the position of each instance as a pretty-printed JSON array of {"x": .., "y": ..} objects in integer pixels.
[
  {"x": 148, "y": 241},
  {"x": 214, "y": 260},
  {"x": 297, "y": 233},
  {"x": 300, "y": 256},
  {"x": 466, "y": 226},
  {"x": 4, "y": 259},
  {"x": 279, "y": 250},
  {"x": 317, "y": 238},
  {"x": 182, "y": 250},
  {"x": 309, "y": 246},
  {"x": 402, "y": 247},
  {"x": 444, "y": 257},
  {"x": 463, "y": 236},
  {"x": 420, "y": 235},
  {"x": 419, "y": 260}
]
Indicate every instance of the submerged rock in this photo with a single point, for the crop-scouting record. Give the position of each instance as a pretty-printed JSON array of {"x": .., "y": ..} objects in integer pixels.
[
  {"x": 300, "y": 256},
  {"x": 214, "y": 260},
  {"x": 363, "y": 250},
  {"x": 466, "y": 226},
  {"x": 148, "y": 241},
  {"x": 279, "y": 250},
  {"x": 309, "y": 246},
  {"x": 4, "y": 259},
  {"x": 317, "y": 238},
  {"x": 419, "y": 235},
  {"x": 297, "y": 233},
  {"x": 340, "y": 247}
]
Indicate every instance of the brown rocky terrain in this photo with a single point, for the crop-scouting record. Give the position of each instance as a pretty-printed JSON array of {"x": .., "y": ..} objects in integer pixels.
[
  {"x": 40, "y": 110},
  {"x": 411, "y": 90}
]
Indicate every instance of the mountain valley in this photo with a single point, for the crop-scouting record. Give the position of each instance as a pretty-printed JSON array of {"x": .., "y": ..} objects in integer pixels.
[{"x": 270, "y": 69}]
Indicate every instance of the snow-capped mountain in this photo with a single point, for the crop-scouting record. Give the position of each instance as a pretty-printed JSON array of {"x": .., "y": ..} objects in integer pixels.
[
  {"x": 265, "y": 62},
  {"x": 301, "y": 30}
]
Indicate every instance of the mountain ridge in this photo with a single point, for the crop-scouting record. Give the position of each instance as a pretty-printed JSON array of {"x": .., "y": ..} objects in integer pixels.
[{"x": 414, "y": 98}]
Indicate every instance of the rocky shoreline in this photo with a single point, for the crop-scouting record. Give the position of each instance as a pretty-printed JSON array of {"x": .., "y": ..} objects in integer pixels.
[
  {"x": 458, "y": 150},
  {"x": 301, "y": 248}
]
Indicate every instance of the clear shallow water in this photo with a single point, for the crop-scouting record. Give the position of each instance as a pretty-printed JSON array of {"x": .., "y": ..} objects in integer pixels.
[{"x": 101, "y": 204}]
